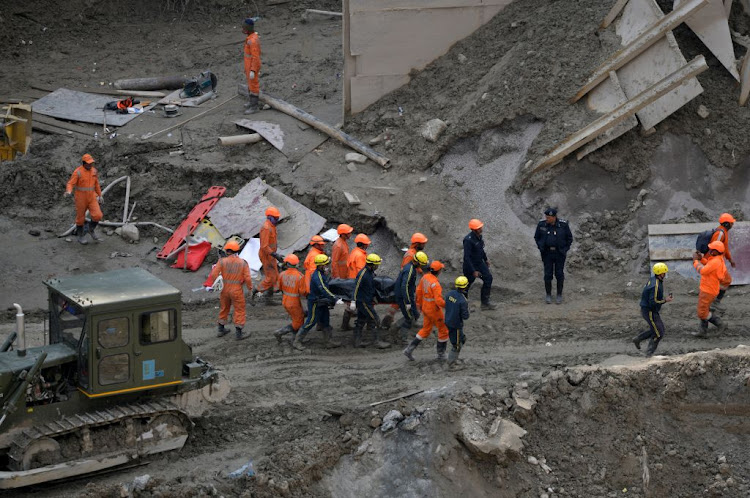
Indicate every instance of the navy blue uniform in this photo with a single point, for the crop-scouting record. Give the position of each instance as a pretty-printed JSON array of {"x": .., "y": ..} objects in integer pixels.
[
  {"x": 475, "y": 259},
  {"x": 404, "y": 291},
  {"x": 318, "y": 301},
  {"x": 554, "y": 242},
  {"x": 364, "y": 296},
  {"x": 652, "y": 298},
  {"x": 456, "y": 311}
]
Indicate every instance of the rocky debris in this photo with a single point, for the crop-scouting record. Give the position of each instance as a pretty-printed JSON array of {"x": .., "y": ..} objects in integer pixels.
[
  {"x": 478, "y": 391},
  {"x": 462, "y": 59},
  {"x": 140, "y": 482},
  {"x": 410, "y": 423},
  {"x": 523, "y": 404},
  {"x": 355, "y": 157},
  {"x": 703, "y": 111},
  {"x": 34, "y": 232},
  {"x": 117, "y": 254},
  {"x": 128, "y": 232},
  {"x": 391, "y": 419},
  {"x": 352, "y": 199},
  {"x": 432, "y": 129},
  {"x": 375, "y": 422},
  {"x": 351, "y": 167},
  {"x": 501, "y": 442}
]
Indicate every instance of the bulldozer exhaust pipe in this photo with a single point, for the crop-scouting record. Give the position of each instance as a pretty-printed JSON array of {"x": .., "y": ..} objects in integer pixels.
[{"x": 20, "y": 331}]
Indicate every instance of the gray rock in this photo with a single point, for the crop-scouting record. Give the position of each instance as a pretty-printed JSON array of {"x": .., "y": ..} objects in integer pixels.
[
  {"x": 503, "y": 439},
  {"x": 478, "y": 391},
  {"x": 34, "y": 232},
  {"x": 391, "y": 419},
  {"x": 432, "y": 129},
  {"x": 354, "y": 157},
  {"x": 462, "y": 59},
  {"x": 703, "y": 111},
  {"x": 409, "y": 424},
  {"x": 351, "y": 167},
  {"x": 129, "y": 232},
  {"x": 375, "y": 422},
  {"x": 140, "y": 482}
]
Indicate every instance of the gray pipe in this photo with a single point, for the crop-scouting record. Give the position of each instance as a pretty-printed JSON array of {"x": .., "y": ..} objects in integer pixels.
[
  {"x": 160, "y": 83},
  {"x": 20, "y": 331}
]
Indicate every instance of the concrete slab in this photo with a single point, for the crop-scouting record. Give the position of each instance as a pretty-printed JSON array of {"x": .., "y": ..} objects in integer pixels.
[
  {"x": 71, "y": 105},
  {"x": 711, "y": 25}
]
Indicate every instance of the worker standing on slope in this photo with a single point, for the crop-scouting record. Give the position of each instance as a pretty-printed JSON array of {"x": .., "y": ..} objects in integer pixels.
[
  {"x": 88, "y": 196},
  {"x": 364, "y": 296},
  {"x": 430, "y": 300},
  {"x": 553, "y": 238},
  {"x": 252, "y": 65},
  {"x": 456, "y": 311},
  {"x": 319, "y": 300},
  {"x": 418, "y": 242},
  {"x": 721, "y": 234},
  {"x": 404, "y": 290},
  {"x": 713, "y": 272},
  {"x": 476, "y": 264},
  {"x": 652, "y": 299},
  {"x": 267, "y": 254},
  {"x": 235, "y": 273},
  {"x": 292, "y": 284}
]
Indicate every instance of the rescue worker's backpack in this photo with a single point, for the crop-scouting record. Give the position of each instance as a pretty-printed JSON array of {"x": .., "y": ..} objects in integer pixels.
[
  {"x": 204, "y": 83},
  {"x": 704, "y": 238}
]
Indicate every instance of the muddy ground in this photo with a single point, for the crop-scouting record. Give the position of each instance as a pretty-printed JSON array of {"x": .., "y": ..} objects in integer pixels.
[{"x": 284, "y": 409}]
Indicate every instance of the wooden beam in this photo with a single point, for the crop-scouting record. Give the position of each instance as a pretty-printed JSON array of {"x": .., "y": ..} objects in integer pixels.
[
  {"x": 670, "y": 254},
  {"x": 412, "y": 393},
  {"x": 613, "y": 13},
  {"x": 745, "y": 79},
  {"x": 640, "y": 44},
  {"x": 590, "y": 132}
]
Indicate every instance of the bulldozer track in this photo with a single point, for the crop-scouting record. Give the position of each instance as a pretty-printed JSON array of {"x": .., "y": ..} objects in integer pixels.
[{"x": 77, "y": 422}]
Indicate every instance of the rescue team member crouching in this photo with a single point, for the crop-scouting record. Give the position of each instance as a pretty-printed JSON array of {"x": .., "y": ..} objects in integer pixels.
[
  {"x": 235, "y": 272},
  {"x": 292, "y": 284},
  {"x": 364, "y": 296},
  {"x": 553, "y": 238},
  {"x": 404, "y": 291},
  {"x": 88, "y": 196},
  {"x": 652, "y": 299},
  {"x": 319, "y": 300},
  {"x": 430, "y": 300},
  {"x": 713, "y": 271},
  {"x": 456, "y": 311}
]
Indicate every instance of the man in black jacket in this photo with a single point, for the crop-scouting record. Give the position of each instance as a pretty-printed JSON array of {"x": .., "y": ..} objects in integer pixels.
[
  {"x": 553, "y": 238},
  {"x": 404, "y": 290},
  {"x": 364, "y": 296},
  {"x": 652, "y": 299},
  {"x": 476, "y": 264}
]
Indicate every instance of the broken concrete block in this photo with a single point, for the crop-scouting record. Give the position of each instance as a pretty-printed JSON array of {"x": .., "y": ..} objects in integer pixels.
[
  {"x": 391, "y": 419},
  {"x": 503, "y": 440},
  {"x": 703, "y": 111},
  {"x": 352, "y": 199},
  {"x": 477, "y": 390},
  {"x": 353, "y": 157},
  {"x": 351, "y": 167},
  {"x": 433, "y": 128},
  {"x": 130, "y": 232},
  {"x": 409, "y": 424}
]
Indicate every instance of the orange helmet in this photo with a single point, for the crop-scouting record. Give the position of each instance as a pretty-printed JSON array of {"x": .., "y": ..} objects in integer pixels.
[
  {"x": 272, "y": 211},
  {"x": 726, "y": 218},
  {"x": 362, "y": 239},
  {"x": 87, "y": 158},
  {"x": 418, "y": 238},
  {"x": 436, "y": 265},
  {"x": 475, "y": 224},
  {"x": 344, "y": 228},
  {"x": 291, "y": 259},
  {"x": 718, "y": 246},
  {"x": 317, "y": 240},
  {"x": 232, "y": 246}
]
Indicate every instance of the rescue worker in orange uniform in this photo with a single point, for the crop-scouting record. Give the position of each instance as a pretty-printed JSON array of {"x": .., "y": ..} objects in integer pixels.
[
  {"x": 430, "y": 300},
  {"x": 358, "y": 256},
  {"x": 317, "y": 246},
  {"x": 252, "y": 65},
  {"x": 292, "y": 284},
  {"x": 721, "y": 234},
  {"x": 88, "y": 196},
  {"x": 339, "y": 269},
  {"x": 713, "y": 271},
  {"x": 268, "y": 255},
  {"x": 418, "y": 242},
  {"x": 235, "y": 272}
]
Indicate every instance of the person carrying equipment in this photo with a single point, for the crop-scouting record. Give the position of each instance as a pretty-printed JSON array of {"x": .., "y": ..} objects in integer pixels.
[
  {"x": 292, "y": 284},
  {"x": 268, "y": 255},
  {"x": 88, "y": 196},
  {"x": 652, "y": 299},
  {"x": 430, "y": 300},
  {"x": 456, "y": 311},
  {"x": 235, "y": 272},
  {"x": 404, "y": 291},
  {"x": 418, "y": 242},
  {"x": 364, "y": 296},
  {"x": 319, "y": 300},
  {"x": 712, "y": 271}
]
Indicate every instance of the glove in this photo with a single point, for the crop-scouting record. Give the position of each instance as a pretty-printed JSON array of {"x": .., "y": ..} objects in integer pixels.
[
  {"x": 252, "y": 75},
  {"x": 100, "y": 199},
  {"x": 352, "y": 306},
  {"x": 278, "y": 257},
  {"x": 68, "y": 194}
]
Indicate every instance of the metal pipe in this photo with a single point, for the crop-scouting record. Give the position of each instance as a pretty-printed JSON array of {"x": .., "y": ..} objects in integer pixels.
[
  {"x": 127, "y": 201},
  {"x": 159, "y": 83},
  {"x": 20, "y": 331}
]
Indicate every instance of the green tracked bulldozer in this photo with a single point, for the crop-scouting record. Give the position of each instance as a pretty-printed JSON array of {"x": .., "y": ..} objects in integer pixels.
[{"x": 115, "y": 383}]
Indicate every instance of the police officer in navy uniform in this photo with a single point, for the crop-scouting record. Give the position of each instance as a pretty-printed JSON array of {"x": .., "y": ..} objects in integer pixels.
[{"x": 553, "y": 238}]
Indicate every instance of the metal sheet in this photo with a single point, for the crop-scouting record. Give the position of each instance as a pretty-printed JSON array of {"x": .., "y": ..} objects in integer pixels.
[
  {"x": 79, "y": 106},
  {"x": 270, "y": 131},
  {"x": 295, "y": 139}
]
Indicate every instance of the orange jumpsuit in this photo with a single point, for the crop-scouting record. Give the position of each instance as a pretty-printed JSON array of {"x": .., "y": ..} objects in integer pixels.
[
  {"x": 712, "y": 271},
  {"x": 235, "y": 272},
  {"x": 310, "y": 266},
  {"x": 87, "y": 189},
  {"x": 292, "y": 284},
  {"x": 339, "y": 259},
  {"x": 722, "y": 235},
  {"x": 252, "y": 62},
  {"x": 268, "y": 247},
  {"x": 430, "y": 301},
  {"x": 357, "y": 261}
]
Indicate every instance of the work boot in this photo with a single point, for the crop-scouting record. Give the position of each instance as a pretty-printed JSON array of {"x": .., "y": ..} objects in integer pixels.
[
  {"x": 92, "y": 231},
  {"x": 345, "y": 319},
  {"x": 380, "y": 344},
  {"x": 488, "y": 306},
  {"x": 652, "y": 344},
  {"x": 548, "y": 291},
  {"x": 716, "y": 305},
  {"x": 441, "y": 347},
  {"x": 717, "y": 322},
  {"x": 80, "y": 235},
  {"x": 637, "y": 342},
  {"x": 239, "y": 335},
  {"x": 268, "y": 297},
  {"x": 279, "y": 334},
  {"x": 329, "y": 343},
  {"x": 222, "y": 331},
  {"x": 453, "y": 356},
  {"x": 297, "y": 342},
  {"x": 411, "y": 347},
  {"x": 357, "y": 337},
  {"x": 703, "y": 331},
  {"x": 367, "y": 338},
  {"x": 559, "y": 292},
  {"x": 387, "y": 321},
  {"x": 251, "y": 107}
]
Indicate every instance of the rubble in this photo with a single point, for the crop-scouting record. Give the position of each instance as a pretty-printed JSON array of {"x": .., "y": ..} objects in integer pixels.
[{"x": 433, "y": 129}]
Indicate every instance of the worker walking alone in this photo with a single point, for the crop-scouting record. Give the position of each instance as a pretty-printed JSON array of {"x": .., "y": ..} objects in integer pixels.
[
  {"x": 319, "y": 300},
  {"x": 268, "y": 255},
  {"x": 712, "y": 271},
  {"x": 235, "y": 273},
  {"x": 553, "y": 238},
  {"x": 292, "y": 284},
  {"x": 405, "y": 291},
  {"x": 476, "y": 265},
  {"x": 88, "y": 195},
  {"x": 456, "y": 311},
  {"x": 721, "y": 234},
  {"x": 430, "y": 300},
  {"x": 364, "y": 296},
  {"x": 251, "y": 53},
  {"x": 652, "y": 299}
]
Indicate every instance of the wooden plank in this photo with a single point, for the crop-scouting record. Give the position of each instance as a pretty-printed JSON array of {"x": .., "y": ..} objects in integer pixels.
[
  {"x": 105, "y": 91},
  {"x": 406, "y": 395},
  {"x": 688, "y": 228},
  {"x": 613, "y": 13},
  {"x": 711, "y": 26},
  {"x": 640, "y": 44},
  {"x": 358, "y": 6},
  {"x": 590, "y": 132}
]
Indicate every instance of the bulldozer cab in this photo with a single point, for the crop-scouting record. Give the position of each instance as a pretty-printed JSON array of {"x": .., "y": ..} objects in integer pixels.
[{"x": 125, "y": 326}]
